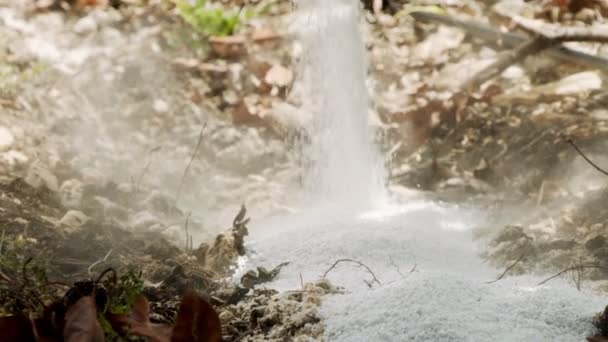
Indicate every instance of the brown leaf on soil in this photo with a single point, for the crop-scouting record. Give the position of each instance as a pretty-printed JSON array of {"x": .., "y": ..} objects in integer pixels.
[
  {"x": 81, "y": 323},
  {"x": 140, "y": 325},
  {"x": 196, "y": 321},
  {"x": 16, "y": 329}
]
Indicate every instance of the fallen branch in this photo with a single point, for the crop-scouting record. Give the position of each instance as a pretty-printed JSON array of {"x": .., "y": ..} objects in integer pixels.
[
  {"x": 573, "y": 268},
  {"x": 510, "y": 39},
  {"x": 515, "y": 56},
  {"x": 593, "y": 33},
  {"x": 509, "y": 268},
  {"x": 360, "y": 264},
  {"x": 586, "y": 158}
]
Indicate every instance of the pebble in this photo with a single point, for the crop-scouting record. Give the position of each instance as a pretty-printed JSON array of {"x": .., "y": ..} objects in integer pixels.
[
  {"x": 7, "y": 139},
  {"x": 73, "y": 219}
]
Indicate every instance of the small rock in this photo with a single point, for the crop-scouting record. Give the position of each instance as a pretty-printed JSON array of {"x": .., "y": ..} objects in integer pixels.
[
  {"x": 73, "y": 220},
  {"x": 143, "y": 220},
  {"x": 279, "y": 76},
  {"x": 85, "y": 25},
  {"x": 230, "y": 97},
  {"x": 70, "y": 193},
  {"x": 386, "y": 20},
  {"x": 14, "y": 158},
  {"x": 160, "y": 106},
  {"x": 226, "y": 316},
  {"x": 21, "y": 221},
  {"x": 231, "y": 295},
  {"x": 39, "y": 175},
  {"x": 7, "y": 139}
]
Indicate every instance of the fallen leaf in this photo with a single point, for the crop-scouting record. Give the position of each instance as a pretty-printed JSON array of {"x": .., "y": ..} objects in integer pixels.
[
  {"x": 138, "y": 323},
  {"x": 81, "y": 323},
  {"x": 196, "y": 321},
  {"x": 16, "y": 329}
]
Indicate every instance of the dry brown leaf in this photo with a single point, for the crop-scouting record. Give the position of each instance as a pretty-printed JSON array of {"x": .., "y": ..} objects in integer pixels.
[
  {"x": 81, "y": 323},
  {"x": 138, "y": 323},
  {"x": 16, "y": 329},
  {"x": 196, "y": 321}
]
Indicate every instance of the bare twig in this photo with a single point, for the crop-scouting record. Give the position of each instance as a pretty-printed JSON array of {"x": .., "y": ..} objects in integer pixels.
[
  {"x": 5, "y": 278},
  {"x": 541, "y": 193},
  {"x": 146, "y": 167},
  {"x": 26, "y": 280},
  {"x": 360, "y": 264},
  {"x": 192, "y": 157},
  {"x": 186, "y": 224},
  {"x": 577, "y": 267},
  {"x": 107, "y": 271},
  {"x": 2, "y": 241},
  {"x": 509, "y": 268},
  {"x": 390, "y": 258},
  {"x": 301, "y": 281},
  {"x": 586, "y": 158},
  {"x": 105, "y": 258},
  {"x": 141, "y": 175}
]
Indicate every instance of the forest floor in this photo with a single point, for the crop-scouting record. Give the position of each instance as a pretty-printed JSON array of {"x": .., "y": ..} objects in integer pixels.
[{"x": 129, "y": 139}]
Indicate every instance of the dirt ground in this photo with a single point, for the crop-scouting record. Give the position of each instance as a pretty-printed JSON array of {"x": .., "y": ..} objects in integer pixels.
[{"x": 126, "y": 142}]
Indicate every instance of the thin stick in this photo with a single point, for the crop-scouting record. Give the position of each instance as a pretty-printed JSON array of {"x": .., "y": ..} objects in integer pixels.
[
  {"x": 301, "y": 281},
  {"x": 390, "y": 258},
  {"x": 541, "y": 193},
  {"x": 515, "y": 56},
  {"x": 186, "y": 229},
  {"x": 5, "y": 277},
  {"x": 578, "y": 267},
  {"x": 509, "y": 268},
  {"x": 192, "y": 157},
  {"x": 99, "y": 262},
  {"x": 141, "y": 175},
  {"x": 586, "y": 158},
  {"x": 2, "y": 241},
  {"x": 355, "y": 262}
]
